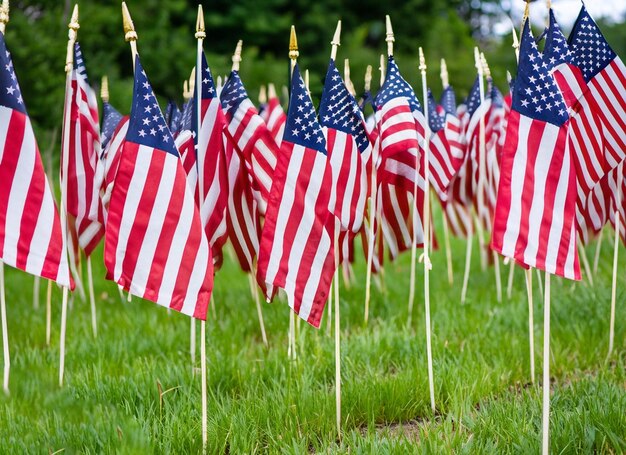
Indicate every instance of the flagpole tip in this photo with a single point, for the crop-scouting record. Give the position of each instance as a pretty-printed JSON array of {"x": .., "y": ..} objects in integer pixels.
[
  {"x": 485, "y": 65},
  {"x": 368, "y": 77},
  {"x": 72, "y": 33},
  {"x": 346, "y": 76},
  {"x": 236, "y": 59},
  {"x": 200, "y": 30},
  {"x": 104, "y": 89},
  {"x": 129, "y": 28},
  {"x": 422, "y": 66},
  {"x": 293, "y": 44},
  {"x": 186, "y": 93},
  {"x": 389, "y": 35},
  {"x": 271, "y": 91},
  {"x": 4, "y": 15},
  {"x": 192, "y": 82},
  {"x": 444, "y": 74},
  {"x": 262, "y": 95},
  {"x": 382, "y": 69}
]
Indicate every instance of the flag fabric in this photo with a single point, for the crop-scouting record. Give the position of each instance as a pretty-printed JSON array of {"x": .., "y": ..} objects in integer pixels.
[
  {"x": 31, "y": 235},
  {"x": 82, "y": 146},
  {"x": 155, "y": 246},
  {"x": 186, "y": 145},
  {"x": 296, "y": 250},
  {"x": 274, "y": 116},
  {"x": 249, "y": 134},
  {"x": 535, "y": 218},
  {"x": 110, "y": 119},
  {"x": 212, "y": 161},
  {"x": 349, "y": 149},
  {"x": 108, "y": 164}
]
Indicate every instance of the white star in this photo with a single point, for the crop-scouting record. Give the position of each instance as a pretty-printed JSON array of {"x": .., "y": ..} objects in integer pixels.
[
  {"x": 142, "y": 133},
  {"x": 10, "y": 90},
  {"x": 146, "y": 85},
  {"x": 153, "y": 132}
]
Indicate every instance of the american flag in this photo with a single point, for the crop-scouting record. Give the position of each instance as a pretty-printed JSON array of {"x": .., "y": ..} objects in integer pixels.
[
  {"x": 274, "y": 116},
  {"x": 535, "y": 219},
  {"x": 31, "y": 237},
  {"x": 109, "y": 162},
  {"x": 592, "y": 76},
  {"x": 349, "y": 150},
  {"x": 251, "y": 137},
  {"x": 110, "y": 119},
  {"x": 155, "y": 246},
  {"x": 185, "y": 143},
  {"x": 212, "y": 161},
  {"x": 296, "y": 251},
  {"x": 82, "y": 146},
  {"x": 172, "y": 117}
]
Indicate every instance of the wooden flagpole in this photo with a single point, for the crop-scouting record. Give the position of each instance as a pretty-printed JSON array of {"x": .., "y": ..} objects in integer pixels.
[
  {"x": 482, "y": 162},
  {"x": 618, "y": 222},
  {"x": 545, "y": 419},
  {"x": 426, "y": 254},
  {"x": 36, "y": 285},
  {"x": 48, "y": 312},
  {"x": 73, "y": 30},
  {"x": 5, "y": 332},
  {"x": 446, "y": 230},
  {"x": 92, "y": 299},
  {"x": 583, "y": 255},
  {"x": 596, "y": 257},
  {"x": 509, "y": 286},
  {"x": 200, "y": 35},
  {"x": 372, "y": 202},
  {"x": 531, "y": 328},
  {"x": 293, "y": 57}
]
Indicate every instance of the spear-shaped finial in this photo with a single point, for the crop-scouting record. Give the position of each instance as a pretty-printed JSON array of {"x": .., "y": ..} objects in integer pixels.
[
  {"x": 293, "y": 45},
  {"x": 346, "y": 77},
  {"x": 389, "y": 38},
  {"x": 200, "y": 32},
  {"x": 368, "y": 78},
  {"x": 72, "y": 33},
  {"x": 186, "y": 92},
  {"x": 444, "y": 74},
  {"x": 526, "y": 11},
  {"x": 509, "y": 78},
  {"x": 549, "y": 4},
  {"x": 129, "y": 28},
  {"x": 336, "y": 42},
  {"x": 485, "y": 65},
  {"x": 237, "y": 56},
  {"x": 192, "y": 82},
  {"x": 515, "y": 40},
  {"x": 104, "y": 89},
  {"x": 306, "y": 81},
  {"x": 382, "y": 69},
  {"x": 4, "y": 15},
  {"x": 422, "y": 66},
  {"x": 271, "y": 91},
  {"x": 262, "y": 95},
  {"x": 477, "y": 62}
]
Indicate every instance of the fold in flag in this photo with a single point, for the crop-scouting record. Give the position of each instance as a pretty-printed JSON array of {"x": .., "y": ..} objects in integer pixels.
[
  {"x": 82, "y": 146},
  {"x": 155, "y": 246},
  {"x": 250, "y": 136},
  {"x": 211, "y": 161},
  {"x": 31, "y": 237},
  {"x": 296, "y": 251},
  {"x": 536, "y": 208}
]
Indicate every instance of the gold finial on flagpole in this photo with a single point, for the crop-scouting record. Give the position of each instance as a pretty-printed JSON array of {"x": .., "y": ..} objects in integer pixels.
[
  {"x": 4, "y": 15},
  {"x": 422, "y": 66},
  {"x": 186, "y": 92},
  {"x": 262, "y": 95},
  {"x": 549, "y": 4},
  {"x": 293, "y": 47},
  {"x": 336, "y": 42},
  {"x": 200, "y": 31},
  {"x": 104, "y": 89},
  {"x": 72, "y": 33},
  {"x": 368, "y": 77},
  {"x": 346, "y": 76},
  {"x": 237, "y": 56},
  {"x": 515, "y": 41},
  {"x": 485, "y": 65},
  {"x": 445, "y": 81},
  {"x": 130, "y": 35},
  {"x": 509, "y": 78},
  {"x": 526, "y": 11},
  {"x": 271, "y": 91},
  {"x": 306, "y": 81},
  {"x": 389, "y": 38},
  {"x": 477, "y": 62},
  {"x": 382, "y": 69},
  {"x": 192, "y": 82}
]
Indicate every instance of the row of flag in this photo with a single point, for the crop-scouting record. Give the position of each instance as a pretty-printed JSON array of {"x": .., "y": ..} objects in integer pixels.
[{"x": 541, "y": 169}]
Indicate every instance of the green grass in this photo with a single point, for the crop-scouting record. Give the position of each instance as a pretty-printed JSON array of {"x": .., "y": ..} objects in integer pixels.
[{"x": 261, "y": 402}]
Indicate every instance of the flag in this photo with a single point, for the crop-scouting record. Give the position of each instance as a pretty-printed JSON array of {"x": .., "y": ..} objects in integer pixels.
[
  {"x": 155, "y": 245},
  {"x": 185, "y": 143},
  {"x": 82, "y": 146},
  {"x": 274, "y": 116},
  {"x": 110, "y": 119},
  {"x": 31, "y": 235},
  {"x": 211, "y": 159},
  {"x": 536, "y": 207},
  {"x": 349, "y": 149},
  {"x": 296, "y": 251},
  {"x": 249, "y": 134},
  {"x": 108, "y": 164}
]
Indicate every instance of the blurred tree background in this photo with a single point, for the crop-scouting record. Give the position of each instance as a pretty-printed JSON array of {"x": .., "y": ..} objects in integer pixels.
[{"x": 37, "y": 36}]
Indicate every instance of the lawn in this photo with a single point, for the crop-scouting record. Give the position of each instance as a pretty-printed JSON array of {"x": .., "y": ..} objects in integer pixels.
[{"x": 132, "y": 390}]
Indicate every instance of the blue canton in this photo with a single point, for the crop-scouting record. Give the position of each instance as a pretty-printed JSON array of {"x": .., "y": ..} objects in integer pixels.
[
  {"x": 147, "y": 124},
  {"x": 591, "y": 51},
  {"x": 186, "y": 118},
  {"x": 302, "y": 127},
  {"x": 495, "y": 94},
  {"x": 208, "y": 86},
  {"x": 436, "y": 121},
  {"x": 233, "y": 93},
  {"x": 366, "y": 99},
  {"x": 473, "y": 100},
  {"x": 536, "y": 95},
  {"x": 339, "y": 110},
  {"x": 111, "y": 118},
  {"x": 556, "y": 50},
  {"x": 395, "y": 87},
  {"x": 448, "y": 100},
  {"x": 10, "y": 93},
  {"x": 79, "y": 62}
]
